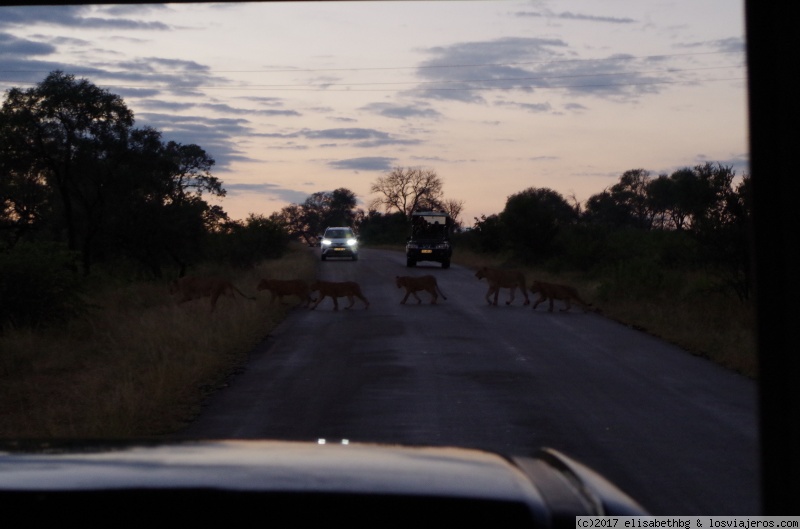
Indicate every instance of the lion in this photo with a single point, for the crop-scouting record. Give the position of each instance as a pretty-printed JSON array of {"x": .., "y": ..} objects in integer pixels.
[
  {"x": 278, "y": 288},
  {"x": 195, "y": 287},
  {"x": 415, "y": 284},
  {"x": 551, "y": 291},
  {"x": 503, "y": 278},
  {"x": 348, "y": 289}
]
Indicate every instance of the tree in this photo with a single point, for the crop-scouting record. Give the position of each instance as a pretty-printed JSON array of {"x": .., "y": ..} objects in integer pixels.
[
  {"x": 317, "y": 212},
  {"x": 631, "y": 191},
  {"x": 453, "y": 208},
  {"x": 406, "y": 190},
  {"x": 68, "y": 132},
  {"x": 531, "y": 220},
  {"x": 604, "y": 209},
  {"x": 72, "y": 162},
  {"x": 377, "y": 228},
  {"x": 246, "y": 243}
]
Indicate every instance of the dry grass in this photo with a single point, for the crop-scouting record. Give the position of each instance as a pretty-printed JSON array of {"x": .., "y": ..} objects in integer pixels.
[{"x": 139, "y": 365}]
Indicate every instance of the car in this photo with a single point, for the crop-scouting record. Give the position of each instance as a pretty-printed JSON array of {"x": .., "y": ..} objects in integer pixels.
[
  {"x": 339, "y": 241},
  {"x": 430, "y": 238}
]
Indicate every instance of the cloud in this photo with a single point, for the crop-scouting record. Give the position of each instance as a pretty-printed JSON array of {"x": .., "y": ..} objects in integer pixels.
[
  {"x": 465, "y": 71},
  {"x": 740, "y": 163},
  {"x": 566, "y": 15},
  {"x": 396, "y": 111},
  {"x": 360, "y": 137},
  {"x": 729, "y": 45},
  {"x": 536, "y": 108},
  {"x": 265, "y": 189},
  {"x": 219, "y": 137},
  {"x": 73, "y": 16},
  {"x": 11, "y": 46},
  {"x": 367, "y": 163}
]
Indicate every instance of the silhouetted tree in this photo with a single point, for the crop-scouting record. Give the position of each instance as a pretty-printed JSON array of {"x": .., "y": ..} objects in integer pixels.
[
  {"x": 531, "y": 220},
  {"x": 377, "y": 228},
  {"x": 69, "y": 133},
  {"x": 320, "y": 210},
  {"x": 74, "y": 165},
  {"x": 407, "y": 190}
]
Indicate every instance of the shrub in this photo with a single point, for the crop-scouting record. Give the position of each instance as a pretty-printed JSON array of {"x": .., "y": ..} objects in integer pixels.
[{"x": 39, "y": 285}]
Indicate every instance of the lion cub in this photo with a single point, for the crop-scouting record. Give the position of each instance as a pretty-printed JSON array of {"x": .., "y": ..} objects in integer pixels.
[
  {"x": 278, "y": 288},
  {"x": 552, "y": 291},
  {"x": 415, "y": 284},
  {"x": 332, "y": 289}
]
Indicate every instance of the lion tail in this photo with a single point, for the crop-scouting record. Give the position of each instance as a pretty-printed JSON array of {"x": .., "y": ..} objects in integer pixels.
[{"x": 253, "y": 298}]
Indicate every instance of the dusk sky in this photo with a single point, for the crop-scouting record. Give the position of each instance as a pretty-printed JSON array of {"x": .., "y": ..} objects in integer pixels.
[{"x": 495, "y": 96}]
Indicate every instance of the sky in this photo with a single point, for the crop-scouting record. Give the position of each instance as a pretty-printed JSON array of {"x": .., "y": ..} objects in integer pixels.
[{"x": 495, "y": 96}]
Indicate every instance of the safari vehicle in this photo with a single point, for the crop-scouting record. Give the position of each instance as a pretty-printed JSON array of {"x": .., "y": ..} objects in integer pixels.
[
  {"x": 339, "y": 242},
  {"x": 430, "y": 238}
]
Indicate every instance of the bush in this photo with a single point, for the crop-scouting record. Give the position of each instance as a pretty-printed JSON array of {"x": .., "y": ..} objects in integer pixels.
[
  {"x": 39, "y": 285},
  {"x": 245, "y": 244}
]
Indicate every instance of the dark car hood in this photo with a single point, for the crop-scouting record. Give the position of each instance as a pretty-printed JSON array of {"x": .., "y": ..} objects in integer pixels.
[{"x": 544, "y": 485}]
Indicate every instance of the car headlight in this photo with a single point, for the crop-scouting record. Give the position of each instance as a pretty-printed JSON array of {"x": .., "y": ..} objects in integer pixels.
[
  {"x": 351, "y": 242},
  {"x": 326, "y": 242},
  {"x": 412, "y": 246}
]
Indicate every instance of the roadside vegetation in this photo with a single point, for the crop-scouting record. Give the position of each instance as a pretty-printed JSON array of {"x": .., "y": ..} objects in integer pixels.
[
  {"x": 96, "y": 216},
  {"x": 135, "y": 363}
]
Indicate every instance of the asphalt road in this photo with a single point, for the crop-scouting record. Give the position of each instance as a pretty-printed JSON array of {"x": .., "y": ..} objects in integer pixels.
[{"x": 676, "y": 432}]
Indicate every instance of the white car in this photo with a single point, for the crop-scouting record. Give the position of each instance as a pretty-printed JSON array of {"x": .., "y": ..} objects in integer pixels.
[{"x": 339, "y": 242}]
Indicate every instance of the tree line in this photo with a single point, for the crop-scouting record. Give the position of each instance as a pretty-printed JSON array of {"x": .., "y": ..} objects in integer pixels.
[{"x": 697, "y": 218}]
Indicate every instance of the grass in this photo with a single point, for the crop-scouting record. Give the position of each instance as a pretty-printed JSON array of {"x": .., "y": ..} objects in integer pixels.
[{"x": 140, "y": 366}]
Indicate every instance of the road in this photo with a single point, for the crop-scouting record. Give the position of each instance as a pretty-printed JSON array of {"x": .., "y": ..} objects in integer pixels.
[{"x": 676, "y": 432}]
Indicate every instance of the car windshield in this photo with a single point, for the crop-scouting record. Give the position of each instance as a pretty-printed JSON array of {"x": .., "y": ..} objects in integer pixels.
[
  {"x": 580, "y": 170},
  {"x": 430, "y": 226},
  {"x": 338, "y": 234}
]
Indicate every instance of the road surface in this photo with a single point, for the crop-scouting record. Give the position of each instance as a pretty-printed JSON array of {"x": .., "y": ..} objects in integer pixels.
[{"x": 676, "y": 432}]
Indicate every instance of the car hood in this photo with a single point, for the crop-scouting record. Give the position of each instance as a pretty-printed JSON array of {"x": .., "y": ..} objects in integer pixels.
[{"x": 545, "y": 484}]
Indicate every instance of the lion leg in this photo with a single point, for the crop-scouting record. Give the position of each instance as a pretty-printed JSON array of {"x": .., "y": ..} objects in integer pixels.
[
  {"x": 585, "y": 305},
  {"x": 419, "y": 300},
  {"x": 214, "y": 298},
  {"x": 362, "y": 298},
  {"x": 433, "y": 296},
  {"x": 525, "y": 293},
  {"x": 314, "y": 306},
  {"x": 335, "y": 302},
  {"x": 512, "y": 292},
  {"x": 352, "y": 301},
  {"x": 538, "y": 301},
  {"x": 440, "y": 292},
  {"x": 496, "y": 291}
]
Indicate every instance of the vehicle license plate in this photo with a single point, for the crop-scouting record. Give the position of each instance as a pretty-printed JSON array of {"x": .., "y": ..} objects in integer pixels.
[
  {"x": 427, "y": 251},
  {"x": 338, "y": 249}
]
